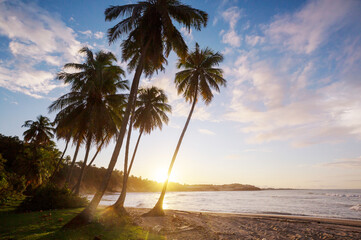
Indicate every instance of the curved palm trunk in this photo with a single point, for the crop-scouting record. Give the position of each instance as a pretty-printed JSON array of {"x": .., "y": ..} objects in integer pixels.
[
  {"x": 80, "y": 179},
  {"x": 72, "y": 164},
  {"x": 60, "y": 160},
  {"x": 96, "y": 154},
  {"x": 135, "y": 151},
  {"x": 87, "y": 214},
  {"x": 158, "y": 208},
  {"x": 119, "y": 204}
]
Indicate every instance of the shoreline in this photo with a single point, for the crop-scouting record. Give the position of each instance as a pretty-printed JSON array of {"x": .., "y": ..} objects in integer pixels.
[
  {"x": 340, "y": 221},
  {"x": 210, "y": 225}
]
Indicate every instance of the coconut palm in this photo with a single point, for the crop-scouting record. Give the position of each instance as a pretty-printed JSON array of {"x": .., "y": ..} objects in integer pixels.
[
  {"x": 151, "y": 37},
  {"x": 93, "y": 108},
  {"x": 40, "y": 132},
  {"x": 61, "y": 134},
  {"x": 99, "y": 148},
  {"x": 196, "y": 80},
  {"x": 150, "y": 113}
]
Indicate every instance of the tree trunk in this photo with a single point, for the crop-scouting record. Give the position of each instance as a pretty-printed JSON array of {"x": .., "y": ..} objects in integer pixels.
[
  {"x": 60, "y": 160},
  {"x": 96, "y": 154},
  {"x": 87, "y": 214},
  {"x": 119, "y": 204},
  {"x": 80, "y": 179},
  {"x": 158, "y": 208},
  {"x": 135, "y": 151},
  {"x": 68, "y": 178}
]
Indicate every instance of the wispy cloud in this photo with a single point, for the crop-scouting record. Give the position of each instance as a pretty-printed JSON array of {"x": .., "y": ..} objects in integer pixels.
[
  {"x": 87, "y": 33},
  {"x": 305, "y": 30},
  {"x": 35, "y": 37},
  {"x": 345, "y": 163},
  {"x": 231, "y": 37},
  {"x": 187, "y": 33},
  {"x": 280, "y": 94},
  {"x": 99, "y": 35},
  {"x": 253, "y": 40},
  {"x": 206, "y": 131}
]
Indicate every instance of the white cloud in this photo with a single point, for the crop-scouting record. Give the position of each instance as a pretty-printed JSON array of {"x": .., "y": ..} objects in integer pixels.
[
  {"x": 36, "y": 37},
  {"x": 253, "y": 40},
  {"x": 231, "y": 37},
  {"x": 304, "y": 99},
  {"x": 187, "y": 33},
  {"x": 90, "y": 34},
  {"x": 206, "y": 131},
  {"x": 87, "y": 33},
  {"x": 278, "y": 104},
  {"x": 232, "y": 15},
  {"x": 99, "y": 35},
  {"x": 307, "y": 29}
]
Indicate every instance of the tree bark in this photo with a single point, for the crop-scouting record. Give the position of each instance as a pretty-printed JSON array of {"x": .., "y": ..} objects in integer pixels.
[
  {"x": 80, "y": 179},
  {"x": 135, "y": 151},
  {"x": 88, "y": 213},
  {"x": 96, "y": 154},
  {"x": 119, "y": 204},
  {"x": 158, "y": 208},
  {"x": 68, "y": 178},
  {"x": 60, "y": 160}
]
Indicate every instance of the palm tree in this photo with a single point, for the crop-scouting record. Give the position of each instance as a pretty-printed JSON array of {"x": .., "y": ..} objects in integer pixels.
[
  {"x": 196, "y": 80},
  {"x": 93, "y": 108},
  {"x": 150, "y": 113},
  {"x": 61, "y": 134},
  {"x": 151, "y": 37},
  {"x": 40, "y": 132},
  {"x": 78, "y": 139}
]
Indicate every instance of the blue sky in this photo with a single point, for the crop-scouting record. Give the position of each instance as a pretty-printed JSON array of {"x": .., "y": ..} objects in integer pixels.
[{"x": 289, "y": 117}]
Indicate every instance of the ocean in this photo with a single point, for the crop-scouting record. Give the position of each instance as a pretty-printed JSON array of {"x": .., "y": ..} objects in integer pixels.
[{"x": 344, "y": 204}]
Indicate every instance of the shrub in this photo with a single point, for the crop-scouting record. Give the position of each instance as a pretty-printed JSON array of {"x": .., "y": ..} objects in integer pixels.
[
  {"x": 11, "y": 185},
  {"x": 51, "y": 197}
]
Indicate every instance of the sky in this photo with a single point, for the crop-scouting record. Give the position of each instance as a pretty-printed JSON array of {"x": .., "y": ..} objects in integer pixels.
[{"x": 290, "y": 116}]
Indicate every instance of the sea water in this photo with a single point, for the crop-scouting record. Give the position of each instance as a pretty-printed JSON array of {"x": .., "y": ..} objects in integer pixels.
[{"x": 319, "y": 203}]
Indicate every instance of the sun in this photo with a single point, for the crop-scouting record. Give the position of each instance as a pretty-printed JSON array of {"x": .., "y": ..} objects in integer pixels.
[{"x": 160, "y": 175}]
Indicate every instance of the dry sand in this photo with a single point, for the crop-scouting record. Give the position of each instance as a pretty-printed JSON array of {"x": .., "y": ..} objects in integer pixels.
[{"x": 182, "y": 225}]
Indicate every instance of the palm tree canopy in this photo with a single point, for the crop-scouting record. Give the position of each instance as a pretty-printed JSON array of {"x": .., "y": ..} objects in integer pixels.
[
  {"x": 93, "y": 106},
  {"x": 151, "y": 109},
  {"x": 40, "y": 131},
  {"x": 151, "y": 22},
  {"x": 199, "y": 74},
  {"x": 97, "y": 74}
]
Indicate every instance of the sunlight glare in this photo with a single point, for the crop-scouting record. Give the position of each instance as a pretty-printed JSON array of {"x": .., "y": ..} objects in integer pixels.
[{"x": 160, "y": 175}]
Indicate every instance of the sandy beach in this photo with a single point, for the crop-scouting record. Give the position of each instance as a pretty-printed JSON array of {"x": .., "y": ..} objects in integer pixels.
[{"x": 179, "y": 225}]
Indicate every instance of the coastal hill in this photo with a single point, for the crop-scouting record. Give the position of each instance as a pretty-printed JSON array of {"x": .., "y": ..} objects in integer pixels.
[{"x": 94, "y": 175}]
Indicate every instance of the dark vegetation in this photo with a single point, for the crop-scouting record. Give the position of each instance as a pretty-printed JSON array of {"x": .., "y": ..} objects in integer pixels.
[
  {"x": 94, "y": 175},
  {"x": 49, "y": 197},
  {"x": 24, "y": 166}
]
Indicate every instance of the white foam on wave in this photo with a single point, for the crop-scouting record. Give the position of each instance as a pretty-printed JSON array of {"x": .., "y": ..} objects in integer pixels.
[
  {"x": 343, "y": 195},
  {"x": 357, "y": 207}
]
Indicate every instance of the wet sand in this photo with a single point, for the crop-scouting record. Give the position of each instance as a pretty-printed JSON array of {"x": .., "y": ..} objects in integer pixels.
[{"x": 183, "y": 225}]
